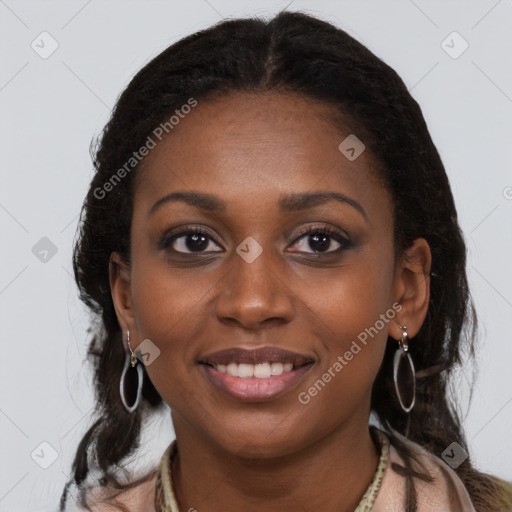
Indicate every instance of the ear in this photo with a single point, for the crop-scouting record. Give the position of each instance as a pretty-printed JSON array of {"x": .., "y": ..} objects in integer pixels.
[
  {"x": 412, "y": 288},
  {"x": 119, "y": 277}
]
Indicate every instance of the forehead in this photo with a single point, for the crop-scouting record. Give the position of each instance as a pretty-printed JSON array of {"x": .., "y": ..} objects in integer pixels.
[{"x": 255, "y": 147}]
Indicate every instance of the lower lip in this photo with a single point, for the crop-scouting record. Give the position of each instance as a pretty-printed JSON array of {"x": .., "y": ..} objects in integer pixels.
[{"x": 252, "y": 389}]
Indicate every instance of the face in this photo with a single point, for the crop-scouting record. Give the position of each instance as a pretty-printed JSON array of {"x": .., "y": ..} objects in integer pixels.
[{"x": 236, "y": 268}]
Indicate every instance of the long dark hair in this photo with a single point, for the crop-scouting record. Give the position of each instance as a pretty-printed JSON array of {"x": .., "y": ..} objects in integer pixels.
[{"x": 300, "y": 54}]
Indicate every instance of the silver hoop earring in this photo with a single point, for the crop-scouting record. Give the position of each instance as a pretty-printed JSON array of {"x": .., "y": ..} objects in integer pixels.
[
  {"x": 410, "y": 392},
  {"x": 126, "y": 387}
]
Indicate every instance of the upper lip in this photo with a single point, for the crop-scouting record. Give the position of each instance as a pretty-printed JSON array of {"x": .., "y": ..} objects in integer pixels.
[{"x": 256, "y": 356}]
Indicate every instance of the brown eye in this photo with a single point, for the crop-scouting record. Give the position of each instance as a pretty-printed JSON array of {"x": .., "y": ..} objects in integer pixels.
[
  {"x": 189, "y": 241},
  {"x": 321, "y": 240}
]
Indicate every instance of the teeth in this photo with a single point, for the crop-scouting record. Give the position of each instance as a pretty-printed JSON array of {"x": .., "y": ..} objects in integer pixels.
[
  {"x": 245, "y": 370},
  {"x": 232, "y": 369},
  {"x": 260, "y": 371},
  {"x": 276, "y": 368}
]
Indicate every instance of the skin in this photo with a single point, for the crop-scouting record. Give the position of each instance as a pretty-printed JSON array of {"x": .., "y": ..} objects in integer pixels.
[{"x": 249, "y": 150}]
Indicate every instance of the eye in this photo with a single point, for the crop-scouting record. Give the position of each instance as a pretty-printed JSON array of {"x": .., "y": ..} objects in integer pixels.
[
  {"x": 321, "y": 239},
  {"x": 189, "y": 240},
  {"x": 195, "y": 239}
]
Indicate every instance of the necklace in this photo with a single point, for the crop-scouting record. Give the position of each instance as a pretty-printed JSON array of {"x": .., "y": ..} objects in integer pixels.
[{"x": 165, "y": 498}]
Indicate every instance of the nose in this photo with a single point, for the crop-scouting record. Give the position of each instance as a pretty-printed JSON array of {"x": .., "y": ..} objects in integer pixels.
[{"x": 254, "y": 295}]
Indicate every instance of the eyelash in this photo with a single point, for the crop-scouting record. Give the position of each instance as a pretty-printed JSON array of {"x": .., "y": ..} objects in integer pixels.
[{"x": 343, "y": 240}]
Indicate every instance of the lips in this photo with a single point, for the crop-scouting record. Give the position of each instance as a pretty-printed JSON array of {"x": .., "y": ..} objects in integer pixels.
[{"x": 256, "y": 375}]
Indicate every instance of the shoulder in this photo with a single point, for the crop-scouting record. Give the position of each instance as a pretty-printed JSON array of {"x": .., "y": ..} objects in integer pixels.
[
  {"x": 445, "y": 491},
  {"x": 140, "y": 498}
]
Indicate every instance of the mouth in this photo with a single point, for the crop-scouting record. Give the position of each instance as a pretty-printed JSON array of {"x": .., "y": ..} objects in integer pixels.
[{"x": 256, "y": 375}]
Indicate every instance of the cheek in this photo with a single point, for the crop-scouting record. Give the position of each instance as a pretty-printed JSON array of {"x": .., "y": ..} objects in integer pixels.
[
  {"x": 354, "y": 338},
  {"x": 352, "y": 298},
  {"x": 355, "y": 308},
  {"x": 169, "y": 311},
  {"x": 166, "y": 300}
]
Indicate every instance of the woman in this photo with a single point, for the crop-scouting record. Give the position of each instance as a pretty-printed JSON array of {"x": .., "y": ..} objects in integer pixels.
[{"x": 272, "y": 246}]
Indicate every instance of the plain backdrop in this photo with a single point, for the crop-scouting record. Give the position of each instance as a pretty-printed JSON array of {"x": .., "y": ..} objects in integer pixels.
[{"x": 53, "y": 105}]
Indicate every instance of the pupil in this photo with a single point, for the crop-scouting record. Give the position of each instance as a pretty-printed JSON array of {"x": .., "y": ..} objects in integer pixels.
[
  {"x": 323, "y": 239},
  {"x": 198, "y": 242}
]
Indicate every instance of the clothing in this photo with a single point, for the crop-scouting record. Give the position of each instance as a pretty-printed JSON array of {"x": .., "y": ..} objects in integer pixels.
[
  {"x": 441, "y": 495},
  {"x": 386, "y": 492},
  {"x": 165, "y": 499}
]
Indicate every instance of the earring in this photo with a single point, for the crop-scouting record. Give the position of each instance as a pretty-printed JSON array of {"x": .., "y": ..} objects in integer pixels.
[
  {"x": 400, "y": 354},
  {"x": 126, "y": 387}
]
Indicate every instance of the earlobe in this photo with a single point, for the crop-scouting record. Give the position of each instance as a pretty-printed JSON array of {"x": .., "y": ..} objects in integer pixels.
[
  {"x": 119, "y": 277},
  {"x": 412, "y": 287}
]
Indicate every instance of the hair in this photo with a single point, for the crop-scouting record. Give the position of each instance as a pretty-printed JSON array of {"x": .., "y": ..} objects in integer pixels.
[{"x": 292, "y": 53}]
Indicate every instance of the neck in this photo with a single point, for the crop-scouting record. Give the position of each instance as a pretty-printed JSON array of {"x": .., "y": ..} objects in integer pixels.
[{"x": 333, "y": 473}]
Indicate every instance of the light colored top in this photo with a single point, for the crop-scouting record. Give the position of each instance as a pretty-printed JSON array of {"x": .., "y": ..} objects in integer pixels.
[
  {"x": 441, "y": 495},
  {"x": 165, "y": 498},
  {"x": 386, "y": 492}
]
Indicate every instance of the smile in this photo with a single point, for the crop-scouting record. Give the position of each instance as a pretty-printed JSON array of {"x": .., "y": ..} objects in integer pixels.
[
  {"x": 260, "y": 371},
  {"x": 256, "y": 375}
]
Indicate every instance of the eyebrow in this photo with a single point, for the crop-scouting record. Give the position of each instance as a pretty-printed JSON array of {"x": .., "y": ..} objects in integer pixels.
[{"x": 287, "y": 203}]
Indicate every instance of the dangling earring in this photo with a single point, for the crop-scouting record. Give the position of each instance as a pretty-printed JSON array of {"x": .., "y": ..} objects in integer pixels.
[
  {"x": 126, "y": 387},
  {"x": 400, "y": 354}
]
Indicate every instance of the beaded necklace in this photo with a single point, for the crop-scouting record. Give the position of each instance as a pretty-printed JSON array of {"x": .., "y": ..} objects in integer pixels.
[{"x": 165, "y": 498}]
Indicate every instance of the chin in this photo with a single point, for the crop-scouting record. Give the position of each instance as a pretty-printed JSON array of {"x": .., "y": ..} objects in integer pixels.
[{"x": 252, "y": 443}]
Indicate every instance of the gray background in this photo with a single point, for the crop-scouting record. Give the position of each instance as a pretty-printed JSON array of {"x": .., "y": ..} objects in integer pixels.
[{"x": 50, "y": 110}]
